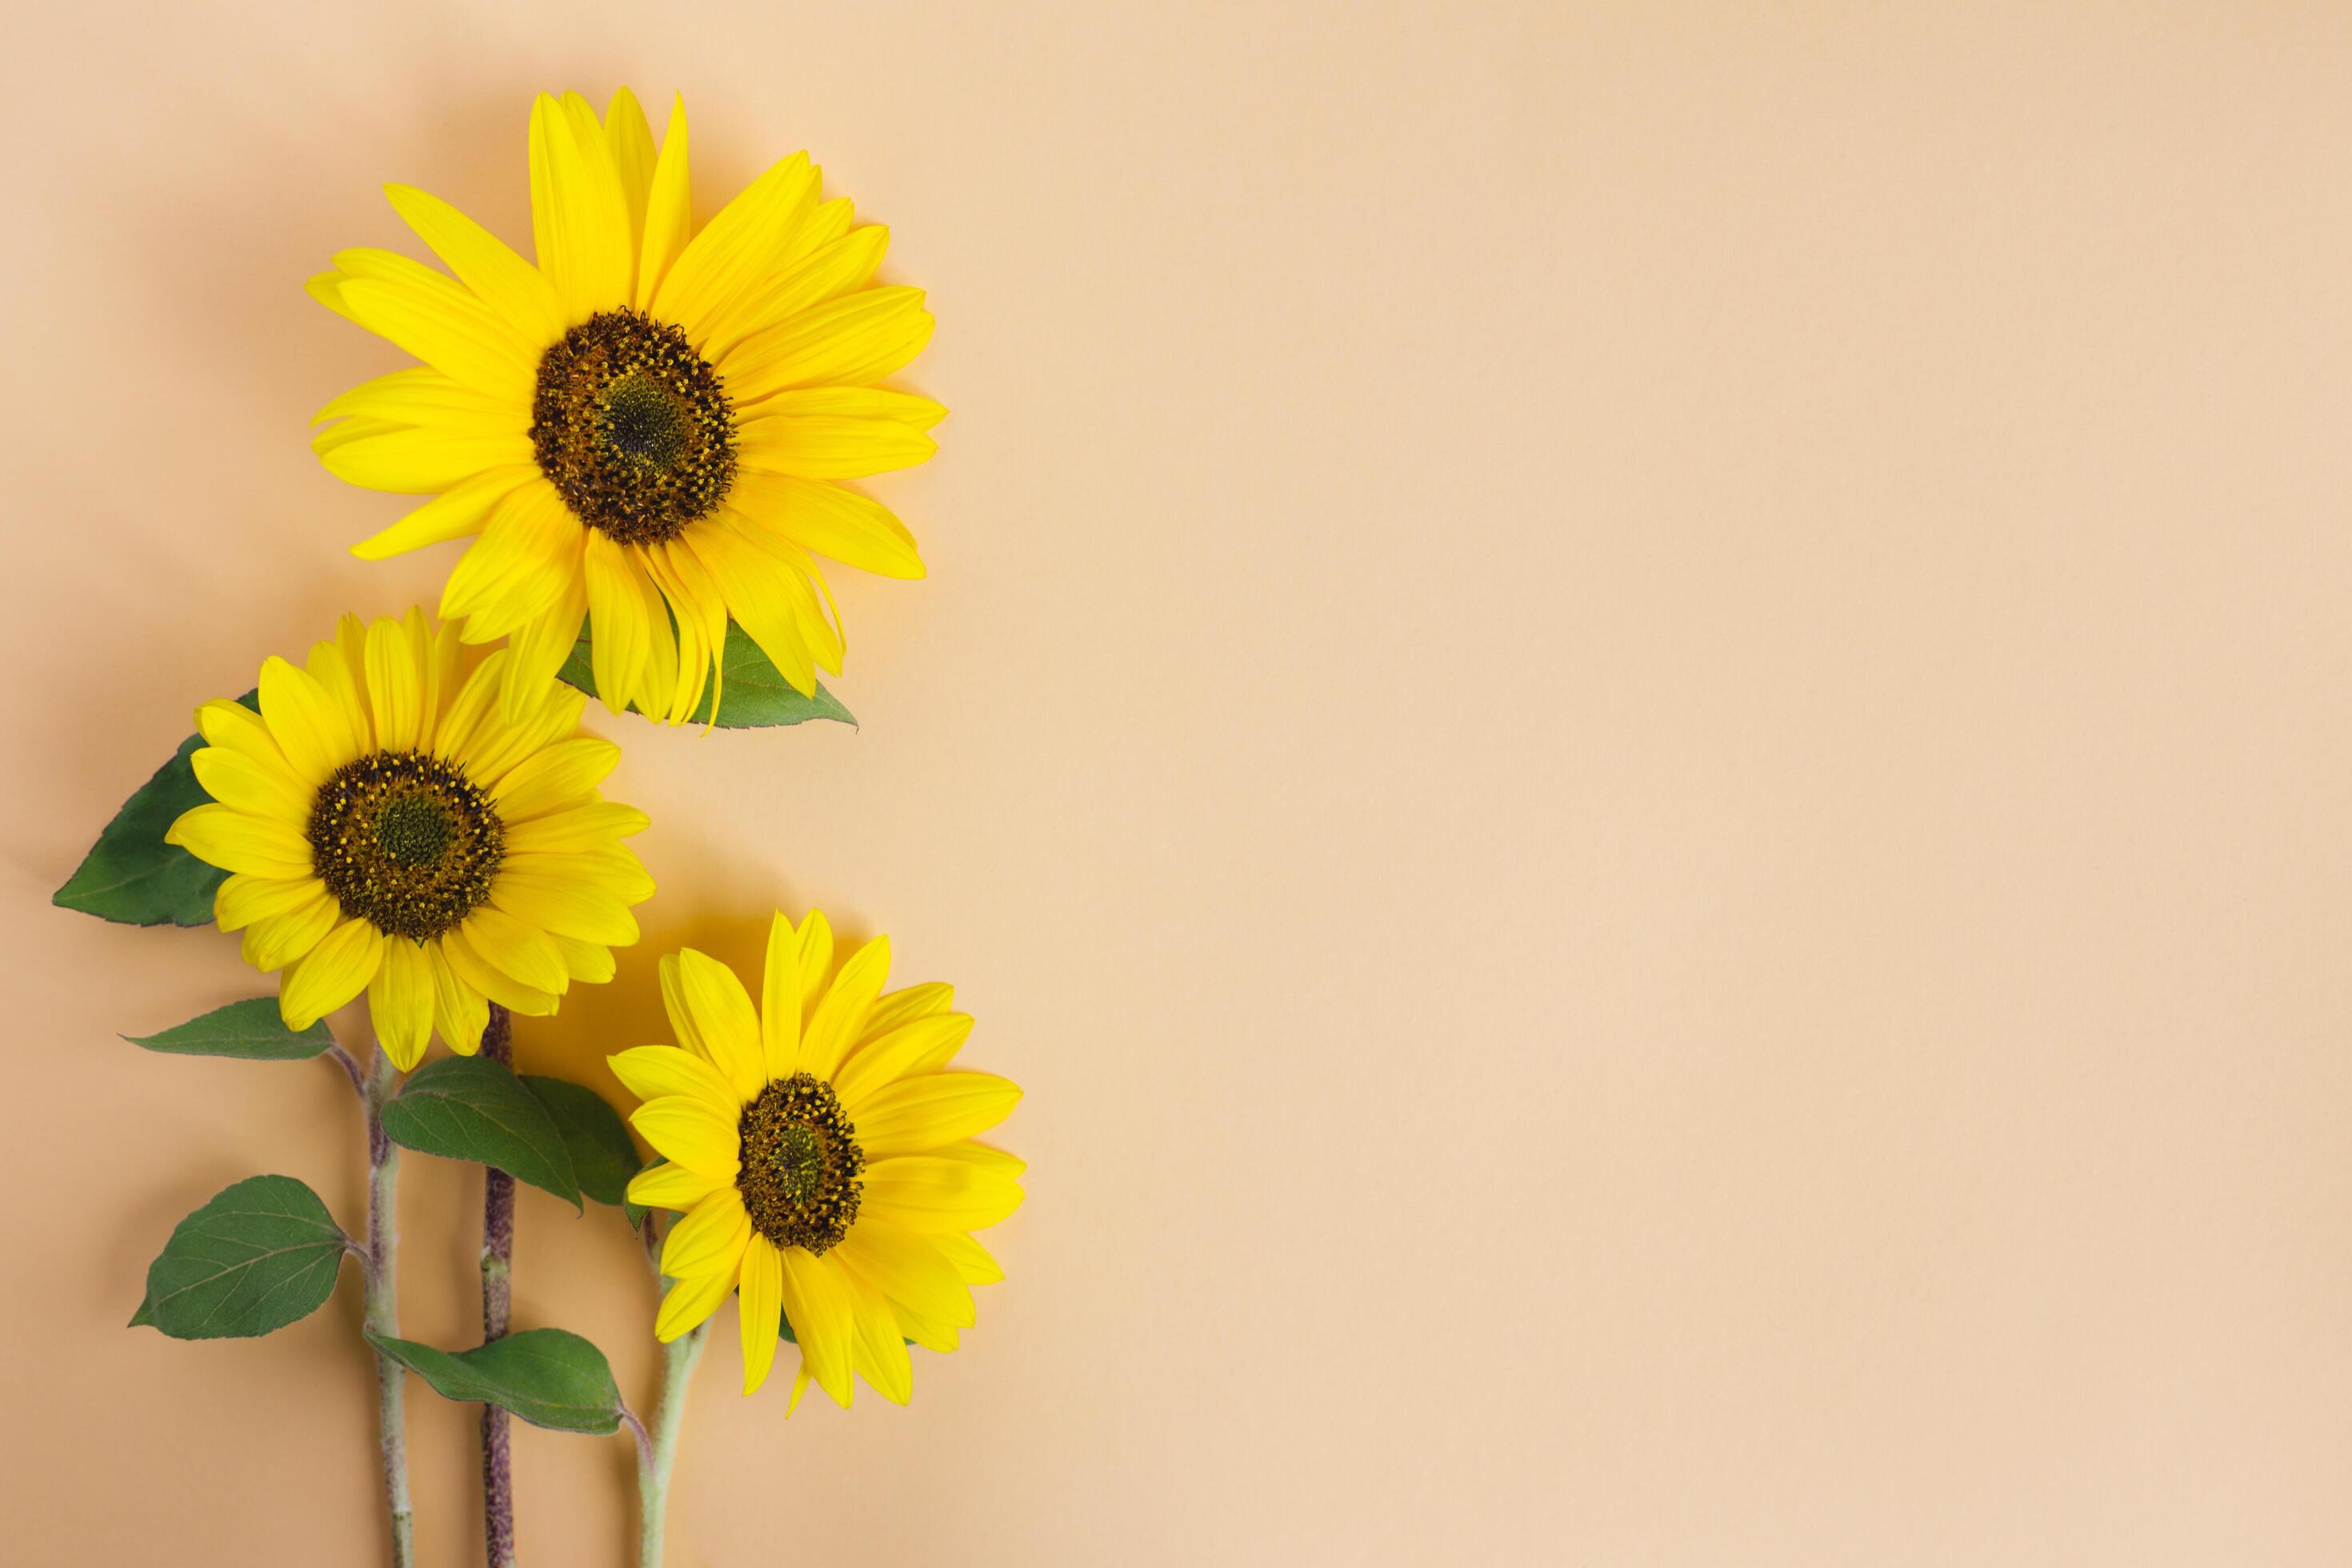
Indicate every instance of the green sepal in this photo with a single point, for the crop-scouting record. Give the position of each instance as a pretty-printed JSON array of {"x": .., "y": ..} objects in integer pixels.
[
  {"x": 470, "y": 1108},
  {"x": 634, "y": 1212},
  {"x": 131, "y": 876},
  {"x": 603, "y": 1155},
  {"x": 752, "y": 693},
  {"x": 262, "y": 1254},
  {"x": 546, "y": 1376},
  {"x": 252, "y": 1031}
]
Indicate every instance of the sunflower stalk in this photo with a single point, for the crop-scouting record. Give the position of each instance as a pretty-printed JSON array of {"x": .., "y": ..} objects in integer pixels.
[
  {"x": 497, "y": 1301},
  {"x": 382, "y": 1312},
  {"x": 657, "y": 1445}
]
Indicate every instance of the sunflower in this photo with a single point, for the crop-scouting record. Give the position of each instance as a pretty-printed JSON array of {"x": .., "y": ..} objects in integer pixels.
[
  {"x": 387, "y": 829},
  {"x": 823, "y": 1158},
  {"x": 646, "y": 429}
]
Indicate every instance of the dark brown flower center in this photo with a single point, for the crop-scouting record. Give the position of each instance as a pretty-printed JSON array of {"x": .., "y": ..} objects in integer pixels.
[
  {"x": 801, "y": 1164},
  {"x": 632, "y": 428},
  {"x": 405, "y": 842}
]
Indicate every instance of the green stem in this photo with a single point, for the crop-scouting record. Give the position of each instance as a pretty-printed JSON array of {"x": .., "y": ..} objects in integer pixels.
[
  {"x": 384, "y": 1308},
  {"x": 657, "y": 1448}
]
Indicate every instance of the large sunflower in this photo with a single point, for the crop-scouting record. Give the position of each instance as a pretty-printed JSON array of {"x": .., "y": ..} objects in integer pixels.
[
  {"x": 824, "y": 1157},
  {"x": 386, "y": 829},
  {"x": 644, "y": 428}
]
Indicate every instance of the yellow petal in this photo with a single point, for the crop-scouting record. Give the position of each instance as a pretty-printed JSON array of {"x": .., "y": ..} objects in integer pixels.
[
  {"x": 522, "y": 950},
  {"x": 667, "y": 1186},
  {"x": 917, "y": 1114},
  {"x": 553, "y": 778},
  {"x": 815, "y": 935},
  {"x": 828, "y": 446},
  {"x": 631, "y": 142},
  {"x": 855, "y": 530},
  {"x": 852, "y": 403},
  {"x": 579, "y": 217},
  {"x": 459, "y": 1012},
  {"x": 760, "y": 1309},
  {"x": 700, "y": 609},
  {"x": 537, "y": 650},
  {"x": 897, "y": 1007},
  {"x": 737, "y": 247},
  {"x": 723, "y": 1018},
  {"x": 519, "y": 568},
  {"x": 927, "y": 1193},
  {"x": 234, "y": 727},
  {"x": 331, "y": 973},
  {"x": 223, "y": 836},
  {"x": 576, "y": 828},
  {"x": 272, "y": 942},
  {"x": 909, "y": 1268},
  {"x": 311, "y": 726},
  {"x": 669, "y": 217},
  {"x": 338, "y": 666},
  {"x": 476, "y": 973},
  {"x": 497, "y": 748},
  {"x": 709, "y": 1239},
  {"x": 854, "y": 341},
  {"x": 840, "y": 1018},
  {"x": 565, "y": 907},
  {"x": 689, "y": 1131},
  {"x": 446, "y": 328},
  {"x": 506, "y": 283},
  {"x": 423, "y": 395},
  {"x": 681, "y": 1017},
  {"x": 394, "y": 686},
  {"x": 779, "y": 1000},
  {"x": 257, "y": 788},
  {"x": 877, "y": 1352},
  {"x": 585, "y": 961},
  {"x": 400, "y": 1002},
  {"x": 763, "y": 596},
  {"x": 921, "y": 1045},
  {"x": 243, "y": 899},
  {"x": 691, "y": 1303},
  {"x": 609, "y": 866},
  {"x": 419, "y": 462},
  {"x": 650, "y": 1072},
  {"x": 455, "y": 513},
  {"x": 818, "y": 1306},
  {"x": 971, "y": 1260},
  {"x": 831, "y": 270},
  {"x": 617, "y": 610}
]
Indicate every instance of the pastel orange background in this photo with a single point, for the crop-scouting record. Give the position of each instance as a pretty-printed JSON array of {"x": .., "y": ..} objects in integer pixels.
[{"x": 1633, "y": 715}]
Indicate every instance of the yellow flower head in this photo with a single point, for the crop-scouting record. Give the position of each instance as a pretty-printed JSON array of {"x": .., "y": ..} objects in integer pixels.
[
  {"x": 824, "y": 1157},
  {"x": 646, "y": 429},
  {"x": 388, "y": 830}
]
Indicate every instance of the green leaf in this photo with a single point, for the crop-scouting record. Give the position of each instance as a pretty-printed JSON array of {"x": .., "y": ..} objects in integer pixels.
[
  {"x": 130, "y": 874},
  {"x": 603, "y": 1156},
  {"x": 752, "y": 693},
  {"x": 144, "y": 1317},
  {"x": 251, "y": 1029},
  {"x": 470, "y": 1108},
  {"x": 546, "y": 1376},
  {"x": 261, "y": 1255}
]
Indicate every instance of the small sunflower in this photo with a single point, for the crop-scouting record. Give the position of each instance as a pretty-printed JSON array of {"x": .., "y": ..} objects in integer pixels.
[
  {"x": 387, "y": 829},
  {"x": 646, "y": 429},
  {"x": 823, "y": 1158}
]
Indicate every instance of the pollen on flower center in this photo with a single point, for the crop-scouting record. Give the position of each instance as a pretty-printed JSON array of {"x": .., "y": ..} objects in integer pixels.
[
  {"x": 405, "y": 842},
  {"x": 632, "y": 428},
  {"x": 801, "y": 1164}
]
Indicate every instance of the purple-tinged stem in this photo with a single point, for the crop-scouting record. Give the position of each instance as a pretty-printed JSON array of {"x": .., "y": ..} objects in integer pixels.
[{"x": 497, "y": 1303}]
